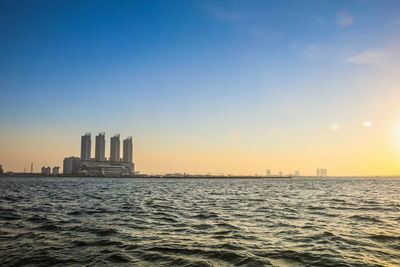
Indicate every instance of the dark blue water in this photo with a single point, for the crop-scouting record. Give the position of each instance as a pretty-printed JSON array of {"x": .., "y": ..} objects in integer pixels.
[{"x": 204, "y": 222}]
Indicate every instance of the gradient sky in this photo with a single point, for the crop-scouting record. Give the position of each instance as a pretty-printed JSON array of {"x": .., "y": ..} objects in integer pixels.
[{"x": 204, "y": 86}]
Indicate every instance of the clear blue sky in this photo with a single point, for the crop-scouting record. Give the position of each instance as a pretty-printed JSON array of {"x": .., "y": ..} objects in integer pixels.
[{"x": 219, "y": 75}]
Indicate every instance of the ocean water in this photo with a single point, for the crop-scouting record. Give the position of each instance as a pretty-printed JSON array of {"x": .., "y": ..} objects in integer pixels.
[{"x": 199, "y": 222}]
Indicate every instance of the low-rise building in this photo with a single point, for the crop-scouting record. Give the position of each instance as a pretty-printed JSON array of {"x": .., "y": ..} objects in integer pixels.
[
  {"x": 71, "y": 165},
  {"x": 106, "y": 168},
  {"x": 45, "y": 170},
  {"x": 56, "y": 170},
  {"x": 322, "y": 172}
]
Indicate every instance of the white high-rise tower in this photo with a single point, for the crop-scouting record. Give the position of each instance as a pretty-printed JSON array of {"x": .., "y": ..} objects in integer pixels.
[
  {"x": 115, "y": 149},
  {"x": 86, "y": 145},
  {"x": 128, "y": 149},
  {"x": 100, "y": 153}
]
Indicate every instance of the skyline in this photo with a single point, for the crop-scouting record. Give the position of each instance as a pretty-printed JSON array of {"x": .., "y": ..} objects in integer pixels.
[
  {"x": 204, "y": 86},
  {"x": 97, "y": 156}
]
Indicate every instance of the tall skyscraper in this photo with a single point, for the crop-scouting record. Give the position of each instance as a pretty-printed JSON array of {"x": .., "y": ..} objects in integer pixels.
[
  {"x": 115, "y": 149},
  {"x": 128, "y": 149},
  {"x": 100, "y": 152},
  {"x": 268, "y": 172},
  {"x": 86, "y": 145}
]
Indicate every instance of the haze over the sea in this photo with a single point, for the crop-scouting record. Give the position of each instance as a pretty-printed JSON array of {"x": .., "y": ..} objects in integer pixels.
[{"x": 204, "y": 86}]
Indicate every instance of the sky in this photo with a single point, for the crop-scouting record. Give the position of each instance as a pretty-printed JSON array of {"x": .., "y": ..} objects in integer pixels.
[{"x": 233, "y": 87}]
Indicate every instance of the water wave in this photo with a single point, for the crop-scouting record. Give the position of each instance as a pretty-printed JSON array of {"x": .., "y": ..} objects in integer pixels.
[{"x": 183, "y": 222}]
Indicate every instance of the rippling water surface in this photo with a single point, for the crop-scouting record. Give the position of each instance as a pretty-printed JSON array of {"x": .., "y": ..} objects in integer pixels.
[{"x": 199, "y": 222}]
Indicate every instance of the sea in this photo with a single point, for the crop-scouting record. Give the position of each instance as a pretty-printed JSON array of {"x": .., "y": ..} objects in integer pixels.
[{"x": 199, "y": 222}]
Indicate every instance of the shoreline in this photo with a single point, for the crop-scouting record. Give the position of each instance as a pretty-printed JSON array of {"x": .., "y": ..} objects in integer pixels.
[
  {"x": 38, "y": 175},
  {"x": 144, "y": 176}
]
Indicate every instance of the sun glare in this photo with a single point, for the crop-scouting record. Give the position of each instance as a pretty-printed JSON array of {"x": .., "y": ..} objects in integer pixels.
[
  {"x": 367, "y": 124},
  {"x": 334, "y": 127}
]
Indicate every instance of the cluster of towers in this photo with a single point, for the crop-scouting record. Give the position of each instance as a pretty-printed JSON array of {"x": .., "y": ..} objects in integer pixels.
[{"x": 100, "y": 151}]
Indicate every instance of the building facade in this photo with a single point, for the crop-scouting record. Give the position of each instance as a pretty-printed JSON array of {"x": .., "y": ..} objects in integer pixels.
[
  {"x": 45, "y": 170},
  {"x": 71, "y": 165},
  {"x": 127, "y": 150},
  {"x": 86, "y": 145},
  {"x": 115, "y": 145},
  {"x": 100, "y": 152},
  {"x": 106, "y": 168},
  {"x": 56, "y": 170},
  {"x": 322, "y": 172}
]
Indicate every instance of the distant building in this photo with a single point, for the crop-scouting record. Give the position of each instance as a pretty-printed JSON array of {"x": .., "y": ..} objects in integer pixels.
[
  {"x": 45, "y": 170},
  {"x": 322, "y": 172},
  {"x": 71, "y": 165},
  {"x": 56, "y": 170},
  {"x": 178, "y": 174},
  {"x": 106, "y": 168},
  {"x": 100, "y": 152},
  {"x": 280, "y": 173},
  {"x": 1, "y": 169},
  {"x": 296, "y": 173},
  {"x": 268, "y": 173},
  {"x": 99, "y": 165},
  {"x": 128, "y": 150},
  {"x": 86, "y": 144},
  {"x": 115, "y": 145}
]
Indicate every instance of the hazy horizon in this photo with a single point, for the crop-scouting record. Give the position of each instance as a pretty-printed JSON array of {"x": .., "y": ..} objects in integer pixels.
[{"x": 234, "y": 87}]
